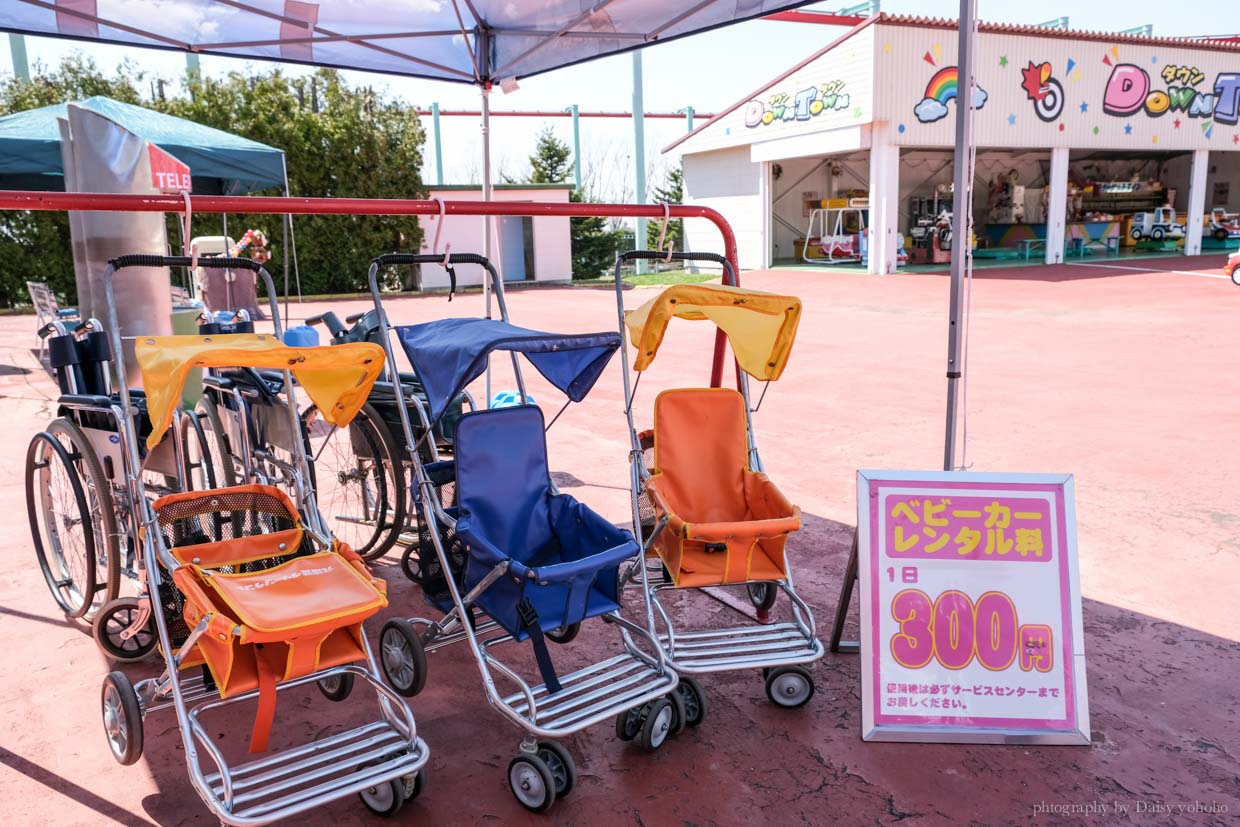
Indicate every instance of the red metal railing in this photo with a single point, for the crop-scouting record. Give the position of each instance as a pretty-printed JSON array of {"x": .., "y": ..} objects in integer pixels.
[{"x": 107, "y": 202}]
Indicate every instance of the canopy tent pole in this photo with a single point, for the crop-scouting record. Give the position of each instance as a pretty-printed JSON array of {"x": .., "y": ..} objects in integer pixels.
[
  {"x": 483, "y": 67},
  {"x": 962, "y": 220}
]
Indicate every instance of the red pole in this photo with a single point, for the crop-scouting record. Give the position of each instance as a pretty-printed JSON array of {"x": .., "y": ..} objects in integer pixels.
[{"x": 108, "y": 202}]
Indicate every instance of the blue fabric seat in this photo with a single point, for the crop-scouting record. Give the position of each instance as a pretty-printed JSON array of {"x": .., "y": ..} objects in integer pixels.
[{"x": 564, "y": 558}]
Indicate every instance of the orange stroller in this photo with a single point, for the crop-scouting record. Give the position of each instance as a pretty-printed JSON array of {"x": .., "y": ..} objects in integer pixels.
[
  {"x": 701, "y": 498},
  {"x": 246, "y": 587}
]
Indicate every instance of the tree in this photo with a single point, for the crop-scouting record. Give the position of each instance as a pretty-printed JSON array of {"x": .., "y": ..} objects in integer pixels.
[
  {"x": 593, "y": 244},
  {"x": 339, "y": 141},
  {"x": 672, "y": 192}
]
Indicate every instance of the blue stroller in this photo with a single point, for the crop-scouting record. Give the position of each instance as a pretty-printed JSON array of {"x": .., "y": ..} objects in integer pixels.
[{"x": 506, "y": 557}]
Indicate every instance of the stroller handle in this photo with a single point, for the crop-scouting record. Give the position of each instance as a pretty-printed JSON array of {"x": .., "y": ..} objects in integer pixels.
[
  {"x": 444, "y": 259},
  {"x": 655, "y": 255},
  {"x": 210, "y": 262}
]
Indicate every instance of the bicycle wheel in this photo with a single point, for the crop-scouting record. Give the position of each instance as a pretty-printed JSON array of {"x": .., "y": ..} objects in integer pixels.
[
  {"x": 358, "y": 479},
  {"x": 64, "y": 539},
  {"x": 98, "y": 490}
]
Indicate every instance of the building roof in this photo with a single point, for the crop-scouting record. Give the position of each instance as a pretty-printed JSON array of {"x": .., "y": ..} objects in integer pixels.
[{"x": 918, "y": 21}]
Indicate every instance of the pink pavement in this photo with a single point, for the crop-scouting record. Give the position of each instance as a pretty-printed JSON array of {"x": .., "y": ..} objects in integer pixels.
[{"x": 1124, "y": 374}]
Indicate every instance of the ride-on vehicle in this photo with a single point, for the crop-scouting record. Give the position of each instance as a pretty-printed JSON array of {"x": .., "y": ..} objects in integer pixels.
[
  {"x": 1156, "y": 225},
  {"x": 1223, "y": 225}
]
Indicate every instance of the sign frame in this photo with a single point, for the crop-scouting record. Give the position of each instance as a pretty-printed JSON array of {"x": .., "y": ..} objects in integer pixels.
[{"x": 1077, "y": 729}]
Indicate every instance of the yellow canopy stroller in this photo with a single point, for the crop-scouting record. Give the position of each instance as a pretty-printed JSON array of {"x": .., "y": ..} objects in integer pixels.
[
  {"x": 246, "y": 584},
  {"x": 701, "y": 496}
]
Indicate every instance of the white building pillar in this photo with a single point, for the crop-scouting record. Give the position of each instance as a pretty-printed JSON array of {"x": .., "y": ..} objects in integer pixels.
[
  {"x": 884, "y": 199},
  {"x": 1196, "y": 202},
  {"x": 767, "y": 199},
  {"x": 1057, "y": 205}
]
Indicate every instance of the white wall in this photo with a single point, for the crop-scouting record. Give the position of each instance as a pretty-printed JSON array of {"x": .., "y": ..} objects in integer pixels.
[
  {"x": 553, "y": 258},
  {"x": 727, "y": 181}
]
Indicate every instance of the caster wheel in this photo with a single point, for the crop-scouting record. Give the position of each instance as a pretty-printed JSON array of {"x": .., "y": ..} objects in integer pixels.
[
  {"x": 564, "y": 634},
  {"x": 385, "y": 798},
  {"x": 679, "y": 719},
  {"x": 694, "y": 699},
  {"x": 790, "y": 686},
  {"x": 532, "y": 782},
  {"x": 657, "y": 725},
  {"x": 122, "y": 718},
  {"x": 113, "y": 619},
  {"x": 560, "y": 762},
  {"x": 414, "y": 784},
  {"x": 629, "y": 723},
  {"x": 336, "y": 687},
  {"x": 402, "y": 657},
  {"x": 762, "y": 595}
]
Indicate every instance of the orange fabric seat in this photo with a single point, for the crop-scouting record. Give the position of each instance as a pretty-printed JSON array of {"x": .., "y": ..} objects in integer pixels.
[{"x": 726, "y": 522}]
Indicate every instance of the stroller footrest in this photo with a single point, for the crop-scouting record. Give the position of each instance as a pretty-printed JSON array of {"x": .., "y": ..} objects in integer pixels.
[
  {"x": 742, "y": 647},
  {"x": 593, "y": 693},
  {"x": 284, "y": 783}
]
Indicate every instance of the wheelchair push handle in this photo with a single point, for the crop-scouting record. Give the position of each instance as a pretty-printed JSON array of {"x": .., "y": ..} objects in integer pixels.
[
  {"x": 331, "y": 321},
  {"x": 209, "y": 262},
  {"x": 354, "y": 318}
]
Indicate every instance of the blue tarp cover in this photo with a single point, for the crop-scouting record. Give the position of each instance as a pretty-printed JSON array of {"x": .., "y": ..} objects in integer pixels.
[
  {"x": 220, "y": 162},
  {"x": 450, "y": 353}
]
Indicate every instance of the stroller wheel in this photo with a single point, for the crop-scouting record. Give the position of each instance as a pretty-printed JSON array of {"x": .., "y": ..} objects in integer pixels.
[
  {"x": 113, "y": 620},
  {"x": 762, "y": 595},
  {"x": 657, "y": 724},
  {"x": 564, "y": 634},
  {"x": 560, "y": 762},
  {"x": 679, "y": 719},
  {"x": 532, "y": 783},
  {"x": 402, "y": 657},
  {"x": 414, "y": 784},
  {"x": 789, "y": 686},
  {"x": 694, "y": 700},
  {"x": 122, "y": 718},
  {"x": 629, "y": 723},
  {"x": 385, "y": 798},
  {"x": 336, "y": 687}
]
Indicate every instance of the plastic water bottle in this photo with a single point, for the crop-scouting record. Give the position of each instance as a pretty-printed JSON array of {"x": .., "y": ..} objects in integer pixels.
[
  {"x": 509, "y": 399},
  {"x": 301, "y": 336}
]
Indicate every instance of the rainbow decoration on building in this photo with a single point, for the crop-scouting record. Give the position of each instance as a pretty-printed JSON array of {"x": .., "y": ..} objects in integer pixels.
[{"x": 943, "y": 86}]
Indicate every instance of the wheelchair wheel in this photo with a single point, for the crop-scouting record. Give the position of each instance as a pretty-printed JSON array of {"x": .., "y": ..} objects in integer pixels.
[
  {"x": 64, "y": 539},
  {"x": 359, "y": 479},
  {"x": 114, "y": 618},
  {"x": 198, "y": 459},
  {"x": 98, "y": 490},
  {"x": 402, "y": 657},
  {"x": 216, "y": 443},
  {"x": 122, "y": 718}
]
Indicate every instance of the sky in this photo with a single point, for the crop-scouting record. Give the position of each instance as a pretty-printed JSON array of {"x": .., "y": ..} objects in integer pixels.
[{"x": 708, "y": 72}]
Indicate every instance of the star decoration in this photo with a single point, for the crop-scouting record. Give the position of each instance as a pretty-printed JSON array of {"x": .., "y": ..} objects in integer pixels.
[
  {"x": 1177, "y": 123},
  {"x": 1127, "y": 129},
  {"x": 1003, "y": 61},
  {"x": 1011, "y": 120},
  {"x": 1084, "y": 106},
  {"x": 857, "y": 112}
]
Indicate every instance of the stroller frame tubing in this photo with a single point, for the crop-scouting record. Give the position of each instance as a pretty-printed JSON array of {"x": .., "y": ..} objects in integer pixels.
[
  {"x": 435, "y": 516},
  {"x": 802, "y": 616},
  {"x": 395, "y": 713}
]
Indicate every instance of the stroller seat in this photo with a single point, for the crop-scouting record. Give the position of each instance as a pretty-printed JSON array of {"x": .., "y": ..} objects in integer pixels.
[
  {"x": 274, "y": 611},
  {"x": 726, "y": 523},
  {"x": 563, "y": 559}
]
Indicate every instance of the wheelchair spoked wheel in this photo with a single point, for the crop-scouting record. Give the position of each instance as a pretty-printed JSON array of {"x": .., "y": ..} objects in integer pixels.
[
  {"x": 532, "y": 782},
  {"x": 122, "y": 718},
  {"x": 762, "y": 595},
  {"x": 216, "y": 443},
  {"x": 98, "y": 490},
  {"x": 113, "y": 620},
  {"x": 64, "y": 538},
  {"x": 359, "y": 480},
  {"x": 402, "y": 657}
]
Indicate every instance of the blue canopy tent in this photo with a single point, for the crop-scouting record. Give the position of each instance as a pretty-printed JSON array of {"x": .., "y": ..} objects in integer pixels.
[
  {"x": 448, "y": 354},
  {"x": 220, "y": 163}
]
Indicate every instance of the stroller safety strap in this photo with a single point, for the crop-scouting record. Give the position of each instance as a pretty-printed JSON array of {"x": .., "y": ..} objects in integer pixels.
[
  {"x": 337, "y": 378},
  {"x": 529, "y": 622}
]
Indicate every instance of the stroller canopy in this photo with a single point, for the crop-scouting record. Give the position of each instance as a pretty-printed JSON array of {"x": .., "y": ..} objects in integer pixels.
[
  {"x": 337, "y": 378},
  {"x": 450, "y": 353},
  {"x": 760, "y": 326}
]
